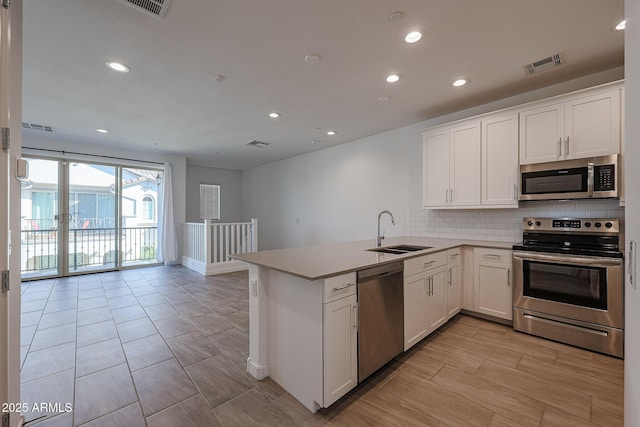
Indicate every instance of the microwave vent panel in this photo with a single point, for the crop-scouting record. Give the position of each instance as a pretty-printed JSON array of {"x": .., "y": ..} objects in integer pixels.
[{"x": 547, "y": 63}]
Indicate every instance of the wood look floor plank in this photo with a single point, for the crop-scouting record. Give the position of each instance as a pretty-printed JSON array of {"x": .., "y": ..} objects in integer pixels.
[
  {"x": 607, "y": 413},
  {"x": 440, "y": 403},
  {"x": 550, "y": 392},
  {"x": 511, "y": 341},
  {"x": 420, "y": 363},
  {"x": 590, "y": 385},
  {"x": 380, "y": 408},
  {"x": 520, "y": 409},
  {"x": 462, "y": 328},
  {"x": 453, "y": 356},
  {"x": 481, "y": 349},
  {"x": 554, "y": 417},
  {"x": 482, "y": 324}
]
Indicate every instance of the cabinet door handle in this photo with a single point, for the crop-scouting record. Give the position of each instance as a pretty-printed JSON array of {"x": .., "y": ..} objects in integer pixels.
[
  {"x": 560, "y": 147},
  {"x": 431, "y": 285},
  {"x": 355, "y": 317},
  {"x": 515, "y": 191},
  {"x": 339, "y": 288},
  {"x": 631, "y": 269},
  {"x": 451, "y": 277},
  {"x": 447, "y": 196},
  {"x": 427, "y": 264},
  {"x": 508, "y": 277},
  {"x": 566, "y": 147},
  {"x": 492, "y": 256},
  {"x": 451, "y": 194}
]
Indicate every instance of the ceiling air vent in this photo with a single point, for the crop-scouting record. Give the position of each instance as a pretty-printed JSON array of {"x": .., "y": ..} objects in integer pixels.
[
  {"x": 260, "y": 144},
  {"x": 157, "y": 8},
  {"x": 547, "y": 63},
  {"x": 33, "y": 126}
]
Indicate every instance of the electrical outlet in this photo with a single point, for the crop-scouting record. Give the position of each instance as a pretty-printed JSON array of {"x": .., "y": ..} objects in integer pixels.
[{"x": 254, "y": 288}]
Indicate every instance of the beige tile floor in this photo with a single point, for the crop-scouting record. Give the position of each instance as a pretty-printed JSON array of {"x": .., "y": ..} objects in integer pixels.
[{"x": 164, "y": 346}]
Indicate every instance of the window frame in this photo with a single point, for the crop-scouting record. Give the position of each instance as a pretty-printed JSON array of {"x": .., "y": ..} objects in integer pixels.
[{"x": 203, "y": 209}]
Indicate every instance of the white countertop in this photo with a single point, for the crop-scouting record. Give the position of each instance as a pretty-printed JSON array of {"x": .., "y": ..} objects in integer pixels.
[{"x": 322, "y": 261}]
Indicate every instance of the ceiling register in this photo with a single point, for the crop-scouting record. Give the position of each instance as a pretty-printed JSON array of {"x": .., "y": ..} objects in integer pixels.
[{"x": 157, "y": 8}]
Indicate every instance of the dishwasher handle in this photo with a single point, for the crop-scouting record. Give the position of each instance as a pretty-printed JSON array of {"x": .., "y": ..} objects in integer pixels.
[{"x": 380, "y": 271}]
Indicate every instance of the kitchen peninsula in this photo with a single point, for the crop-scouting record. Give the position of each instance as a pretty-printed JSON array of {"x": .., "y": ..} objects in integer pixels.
[{"x": 303, "y": 304}]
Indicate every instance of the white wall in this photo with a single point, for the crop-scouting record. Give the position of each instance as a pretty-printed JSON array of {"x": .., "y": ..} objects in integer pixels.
[
  {"x": 230, "y": 192},
  {"x": 335, "y": 194},
  {"x": 632, "y": 177},
  {"x": 178, "y": 165}
]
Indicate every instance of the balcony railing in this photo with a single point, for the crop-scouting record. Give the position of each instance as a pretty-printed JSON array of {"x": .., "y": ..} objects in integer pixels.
[{"x": 88, "y": 248}]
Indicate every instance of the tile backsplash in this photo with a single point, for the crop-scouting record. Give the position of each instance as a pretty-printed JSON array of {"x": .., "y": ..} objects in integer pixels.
[{"x": 501, "y": 224}]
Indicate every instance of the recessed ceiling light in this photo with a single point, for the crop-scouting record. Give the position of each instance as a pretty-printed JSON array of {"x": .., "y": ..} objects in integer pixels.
[
  {"x": 621, "y": 26},
  {"x": 274, "y": 114},
  {"x": 331, "y": 132},
  {"x": 102, "y": 130},
  {"x": 384, "y": 98},
  {"x": 118, "y": 66},
  {"x": 460, "y": 82},
  {"x": 413, "y": 37},
  {"x": 393, "y": 78}
]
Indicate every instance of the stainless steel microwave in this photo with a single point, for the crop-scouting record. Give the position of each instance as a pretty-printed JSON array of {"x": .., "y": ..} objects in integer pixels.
[{"x": 594, "y": 177}]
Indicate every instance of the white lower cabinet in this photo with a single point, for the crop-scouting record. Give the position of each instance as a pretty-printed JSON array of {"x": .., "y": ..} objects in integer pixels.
[
  {"x": 453, "y": 275},
  {"x": 340, "y": 348},
  {"x": 415, "y": 308},
  {"x": 431, "y": 294},
  {"x": 436, "y": 299},
  {"x": 492, "y": 282}
]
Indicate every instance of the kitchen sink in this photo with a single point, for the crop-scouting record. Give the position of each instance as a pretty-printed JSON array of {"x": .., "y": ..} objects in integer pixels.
[{"x": 399, "y": 249}]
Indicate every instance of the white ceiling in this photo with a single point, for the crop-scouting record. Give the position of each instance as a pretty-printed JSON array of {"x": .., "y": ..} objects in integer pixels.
[{"x": 170, "y": 101}]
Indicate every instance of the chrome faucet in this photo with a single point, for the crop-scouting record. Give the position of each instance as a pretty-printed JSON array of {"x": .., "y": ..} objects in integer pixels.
[{"x": 379, "y": 237}]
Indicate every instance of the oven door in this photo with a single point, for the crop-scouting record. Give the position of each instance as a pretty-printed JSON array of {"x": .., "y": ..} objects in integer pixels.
[{"x": 583, "y": 288}]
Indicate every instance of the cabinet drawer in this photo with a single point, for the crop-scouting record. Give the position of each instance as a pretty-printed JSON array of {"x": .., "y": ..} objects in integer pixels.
[
  {"x": 454, "y": 255},
  {"x": 416, "y": 265},
  {"x": 492, "y": 255},
  {"x": 339, "y": 286}
]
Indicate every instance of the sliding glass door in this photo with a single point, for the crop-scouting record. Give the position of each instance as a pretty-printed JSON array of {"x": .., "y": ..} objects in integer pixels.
[
  {"x": 40, "y": 252},
  {"x": 93, "y": 240},
  {"x": 82, "y": 217}
]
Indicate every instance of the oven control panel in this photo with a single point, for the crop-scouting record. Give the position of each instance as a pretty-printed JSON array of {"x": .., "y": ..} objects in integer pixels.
[
  {"x": 566, "y": 223},
  {"x": 569, "y": 225}
]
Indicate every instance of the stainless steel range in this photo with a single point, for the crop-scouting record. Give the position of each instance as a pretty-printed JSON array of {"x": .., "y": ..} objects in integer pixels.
[{"x": 568, "y": 282}]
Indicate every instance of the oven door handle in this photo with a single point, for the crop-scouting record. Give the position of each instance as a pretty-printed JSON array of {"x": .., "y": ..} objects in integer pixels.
[{"x": 568, "y": 259}]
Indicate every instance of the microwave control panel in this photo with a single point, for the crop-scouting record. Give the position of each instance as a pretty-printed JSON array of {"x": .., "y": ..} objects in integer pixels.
[{"x": 604, "y": 179}]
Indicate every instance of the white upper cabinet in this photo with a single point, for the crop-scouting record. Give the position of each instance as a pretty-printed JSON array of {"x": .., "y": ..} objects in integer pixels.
[
  {"x": 580, "y": 126},
  {"x": 451, "y": 166},
  {"x": 500, "y": 160},
  {"x": 541, "y": 134},
  {"x": 464, "y": 165},
  {"x": 593, "y": 125},
  {"x": 436, "y": 168}
]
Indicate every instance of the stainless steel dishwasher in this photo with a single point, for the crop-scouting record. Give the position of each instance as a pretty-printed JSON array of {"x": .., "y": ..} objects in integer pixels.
[{"x": 380, "y": 318}]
